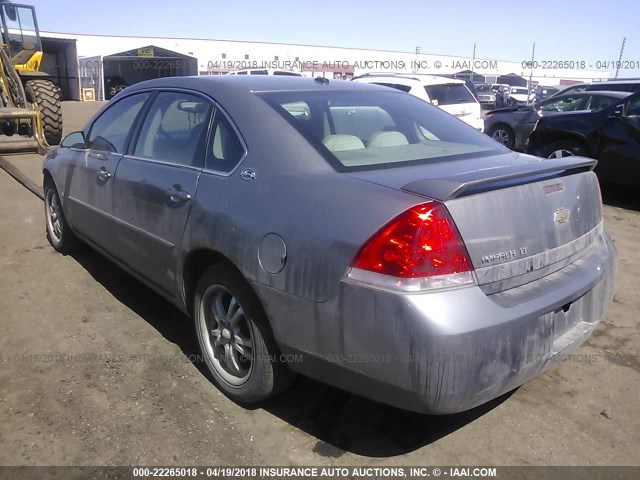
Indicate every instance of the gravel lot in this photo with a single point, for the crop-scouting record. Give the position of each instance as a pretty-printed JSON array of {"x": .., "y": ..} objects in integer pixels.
[{"x": 95, "y": 370}]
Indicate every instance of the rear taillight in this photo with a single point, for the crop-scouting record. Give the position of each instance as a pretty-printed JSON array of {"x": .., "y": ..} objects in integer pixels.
[{"x": 420, "y": 249}]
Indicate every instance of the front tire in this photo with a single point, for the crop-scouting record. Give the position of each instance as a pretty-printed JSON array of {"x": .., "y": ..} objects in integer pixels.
[
  {"x": 504, "y": 135},
  {"x": 59, "y": 234},
  {"x": 46, "y": 96},
  {"x": 235, "y": 338},
  {"x": 565, "y": 148}
]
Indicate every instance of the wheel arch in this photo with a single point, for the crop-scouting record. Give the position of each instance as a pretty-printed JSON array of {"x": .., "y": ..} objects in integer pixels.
[
  {"x": 47, "y": 178},
  {"x": 193, "y": 266},
  {"x": 570, "y": 137}
]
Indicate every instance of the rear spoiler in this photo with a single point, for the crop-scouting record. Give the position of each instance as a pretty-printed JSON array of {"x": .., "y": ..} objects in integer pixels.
[{"x": 469, "y": 183}]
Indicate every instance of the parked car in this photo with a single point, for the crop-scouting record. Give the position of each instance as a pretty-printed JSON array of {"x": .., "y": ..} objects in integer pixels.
[
  {"x": 612, "y": 136},
  {"x": 540, "y": 93},
  {"x": 451, "y": 95},
  {"x": 486, "y": 96},
  {"x": 518, "y": 96},
  {"x": 610, "y": 86},
  {"x": 512, "y": 126},
  {"x": 345, "y": 231}
]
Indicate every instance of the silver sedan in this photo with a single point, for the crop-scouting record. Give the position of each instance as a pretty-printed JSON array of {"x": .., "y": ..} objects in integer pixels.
[{"x": 344, "y": 231}]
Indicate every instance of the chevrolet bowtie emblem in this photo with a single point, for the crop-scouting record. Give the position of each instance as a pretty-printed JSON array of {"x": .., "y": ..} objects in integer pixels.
[{"x": 561, "y": 215}]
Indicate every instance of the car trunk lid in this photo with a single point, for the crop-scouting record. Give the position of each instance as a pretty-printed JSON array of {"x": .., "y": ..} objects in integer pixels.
[{"x": 520, "y": 217}]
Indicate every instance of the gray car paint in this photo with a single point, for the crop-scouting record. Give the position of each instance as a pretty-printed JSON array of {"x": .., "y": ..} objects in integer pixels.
[{"x": 438, "y": 352}]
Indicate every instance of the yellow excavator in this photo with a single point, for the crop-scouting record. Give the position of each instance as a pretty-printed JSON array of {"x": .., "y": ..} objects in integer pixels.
[{"x": 30, "y": 110}]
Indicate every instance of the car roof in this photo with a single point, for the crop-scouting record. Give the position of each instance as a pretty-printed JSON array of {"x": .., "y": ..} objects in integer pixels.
[
  {"x": 251, "y": 83},
  {"x": 607, "y": 93},
  {"x": 409, "y": 78},
  {"x": 615, "y": 82}
]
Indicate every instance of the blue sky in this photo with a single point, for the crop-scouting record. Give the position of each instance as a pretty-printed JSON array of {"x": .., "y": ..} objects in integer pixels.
[{"x": 562, "y": 29}]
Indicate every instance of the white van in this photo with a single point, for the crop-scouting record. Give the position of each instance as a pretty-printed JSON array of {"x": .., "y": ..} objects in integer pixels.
[{"x": 449, "y": 94}]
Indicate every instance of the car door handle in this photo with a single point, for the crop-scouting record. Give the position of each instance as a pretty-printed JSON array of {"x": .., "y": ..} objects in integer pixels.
[
  {"x": 99, "y": 156},
  {"x": 102, "y": 175},
  {"x": 178, "y": 196}
]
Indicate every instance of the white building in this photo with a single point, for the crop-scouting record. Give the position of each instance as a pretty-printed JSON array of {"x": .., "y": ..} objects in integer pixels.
[{"x": 220, "y": 56}]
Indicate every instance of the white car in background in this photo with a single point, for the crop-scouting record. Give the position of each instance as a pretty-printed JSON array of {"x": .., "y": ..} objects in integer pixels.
[
  {"x": 449, "y": 94},
  {"x": 518, "y": 95}
]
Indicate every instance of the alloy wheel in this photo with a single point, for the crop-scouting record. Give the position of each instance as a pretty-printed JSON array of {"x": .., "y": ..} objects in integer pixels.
[{"x": 227, "y": 335}]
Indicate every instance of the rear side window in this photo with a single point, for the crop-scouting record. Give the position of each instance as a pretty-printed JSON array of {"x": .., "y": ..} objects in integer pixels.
[
  {"x": 174, "y": 128},
  {"x": 225, "y": 148},
  {"x": 449, "y": 94},
  {"x": 110, "y": 131}
]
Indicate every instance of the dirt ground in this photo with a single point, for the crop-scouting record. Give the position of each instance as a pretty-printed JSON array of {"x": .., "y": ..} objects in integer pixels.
[{"x": 95, "y": 369}]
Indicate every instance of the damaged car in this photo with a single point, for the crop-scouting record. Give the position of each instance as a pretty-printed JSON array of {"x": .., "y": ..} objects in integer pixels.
[{"x": 340, "y": 230}]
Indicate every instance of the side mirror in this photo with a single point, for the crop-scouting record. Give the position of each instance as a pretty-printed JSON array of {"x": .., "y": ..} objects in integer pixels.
[
  {"x": 74, "y": 140},
  {"x": 618, "y": 111}
]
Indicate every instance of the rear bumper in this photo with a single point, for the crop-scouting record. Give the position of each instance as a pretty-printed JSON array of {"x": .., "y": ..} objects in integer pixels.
[
  {"x": 450, "y": 351},
  {"x": 488, "y": 105}
]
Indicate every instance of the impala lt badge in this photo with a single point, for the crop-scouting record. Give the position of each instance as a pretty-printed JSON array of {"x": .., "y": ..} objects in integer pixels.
[
  {"x": 556, "y": 187},
  {"x": 561, "y": 215}
]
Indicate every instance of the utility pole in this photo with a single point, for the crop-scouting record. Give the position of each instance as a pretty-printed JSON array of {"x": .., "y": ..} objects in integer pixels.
[
  {"x": 624, "y": 40},
  {"x": 533, "y": 56},
  {"x": 473, "y": 62}
]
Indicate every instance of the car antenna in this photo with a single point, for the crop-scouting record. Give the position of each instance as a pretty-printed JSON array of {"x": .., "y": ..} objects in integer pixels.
[{"x": 322, "y": 80}]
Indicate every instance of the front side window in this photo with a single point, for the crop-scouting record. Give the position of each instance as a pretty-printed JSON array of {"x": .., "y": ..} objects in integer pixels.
[
  {"x": 110, "y": 131},
  {"x": 633, "y": 109},
  {"x": 368, "y": 130},
  {"x": 449, "y": 94},
  {"x": 564, "y": 104},
  {"x": 174, "y": 129}
]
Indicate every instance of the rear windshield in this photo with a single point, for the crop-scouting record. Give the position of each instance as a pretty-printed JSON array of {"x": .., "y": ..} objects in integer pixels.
[
  {"x": 483, "y": 89},
  {"x": 367, "y": 130},
  {"x": 449, "y": 94}
]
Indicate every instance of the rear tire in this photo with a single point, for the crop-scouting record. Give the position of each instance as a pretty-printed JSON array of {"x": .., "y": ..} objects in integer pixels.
[
  {"x": 565, "y": 148},
  {"x": 46, "y": 96},
  {"x": 59, "y": 234},
  {"x": 235, "y": 337}
]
